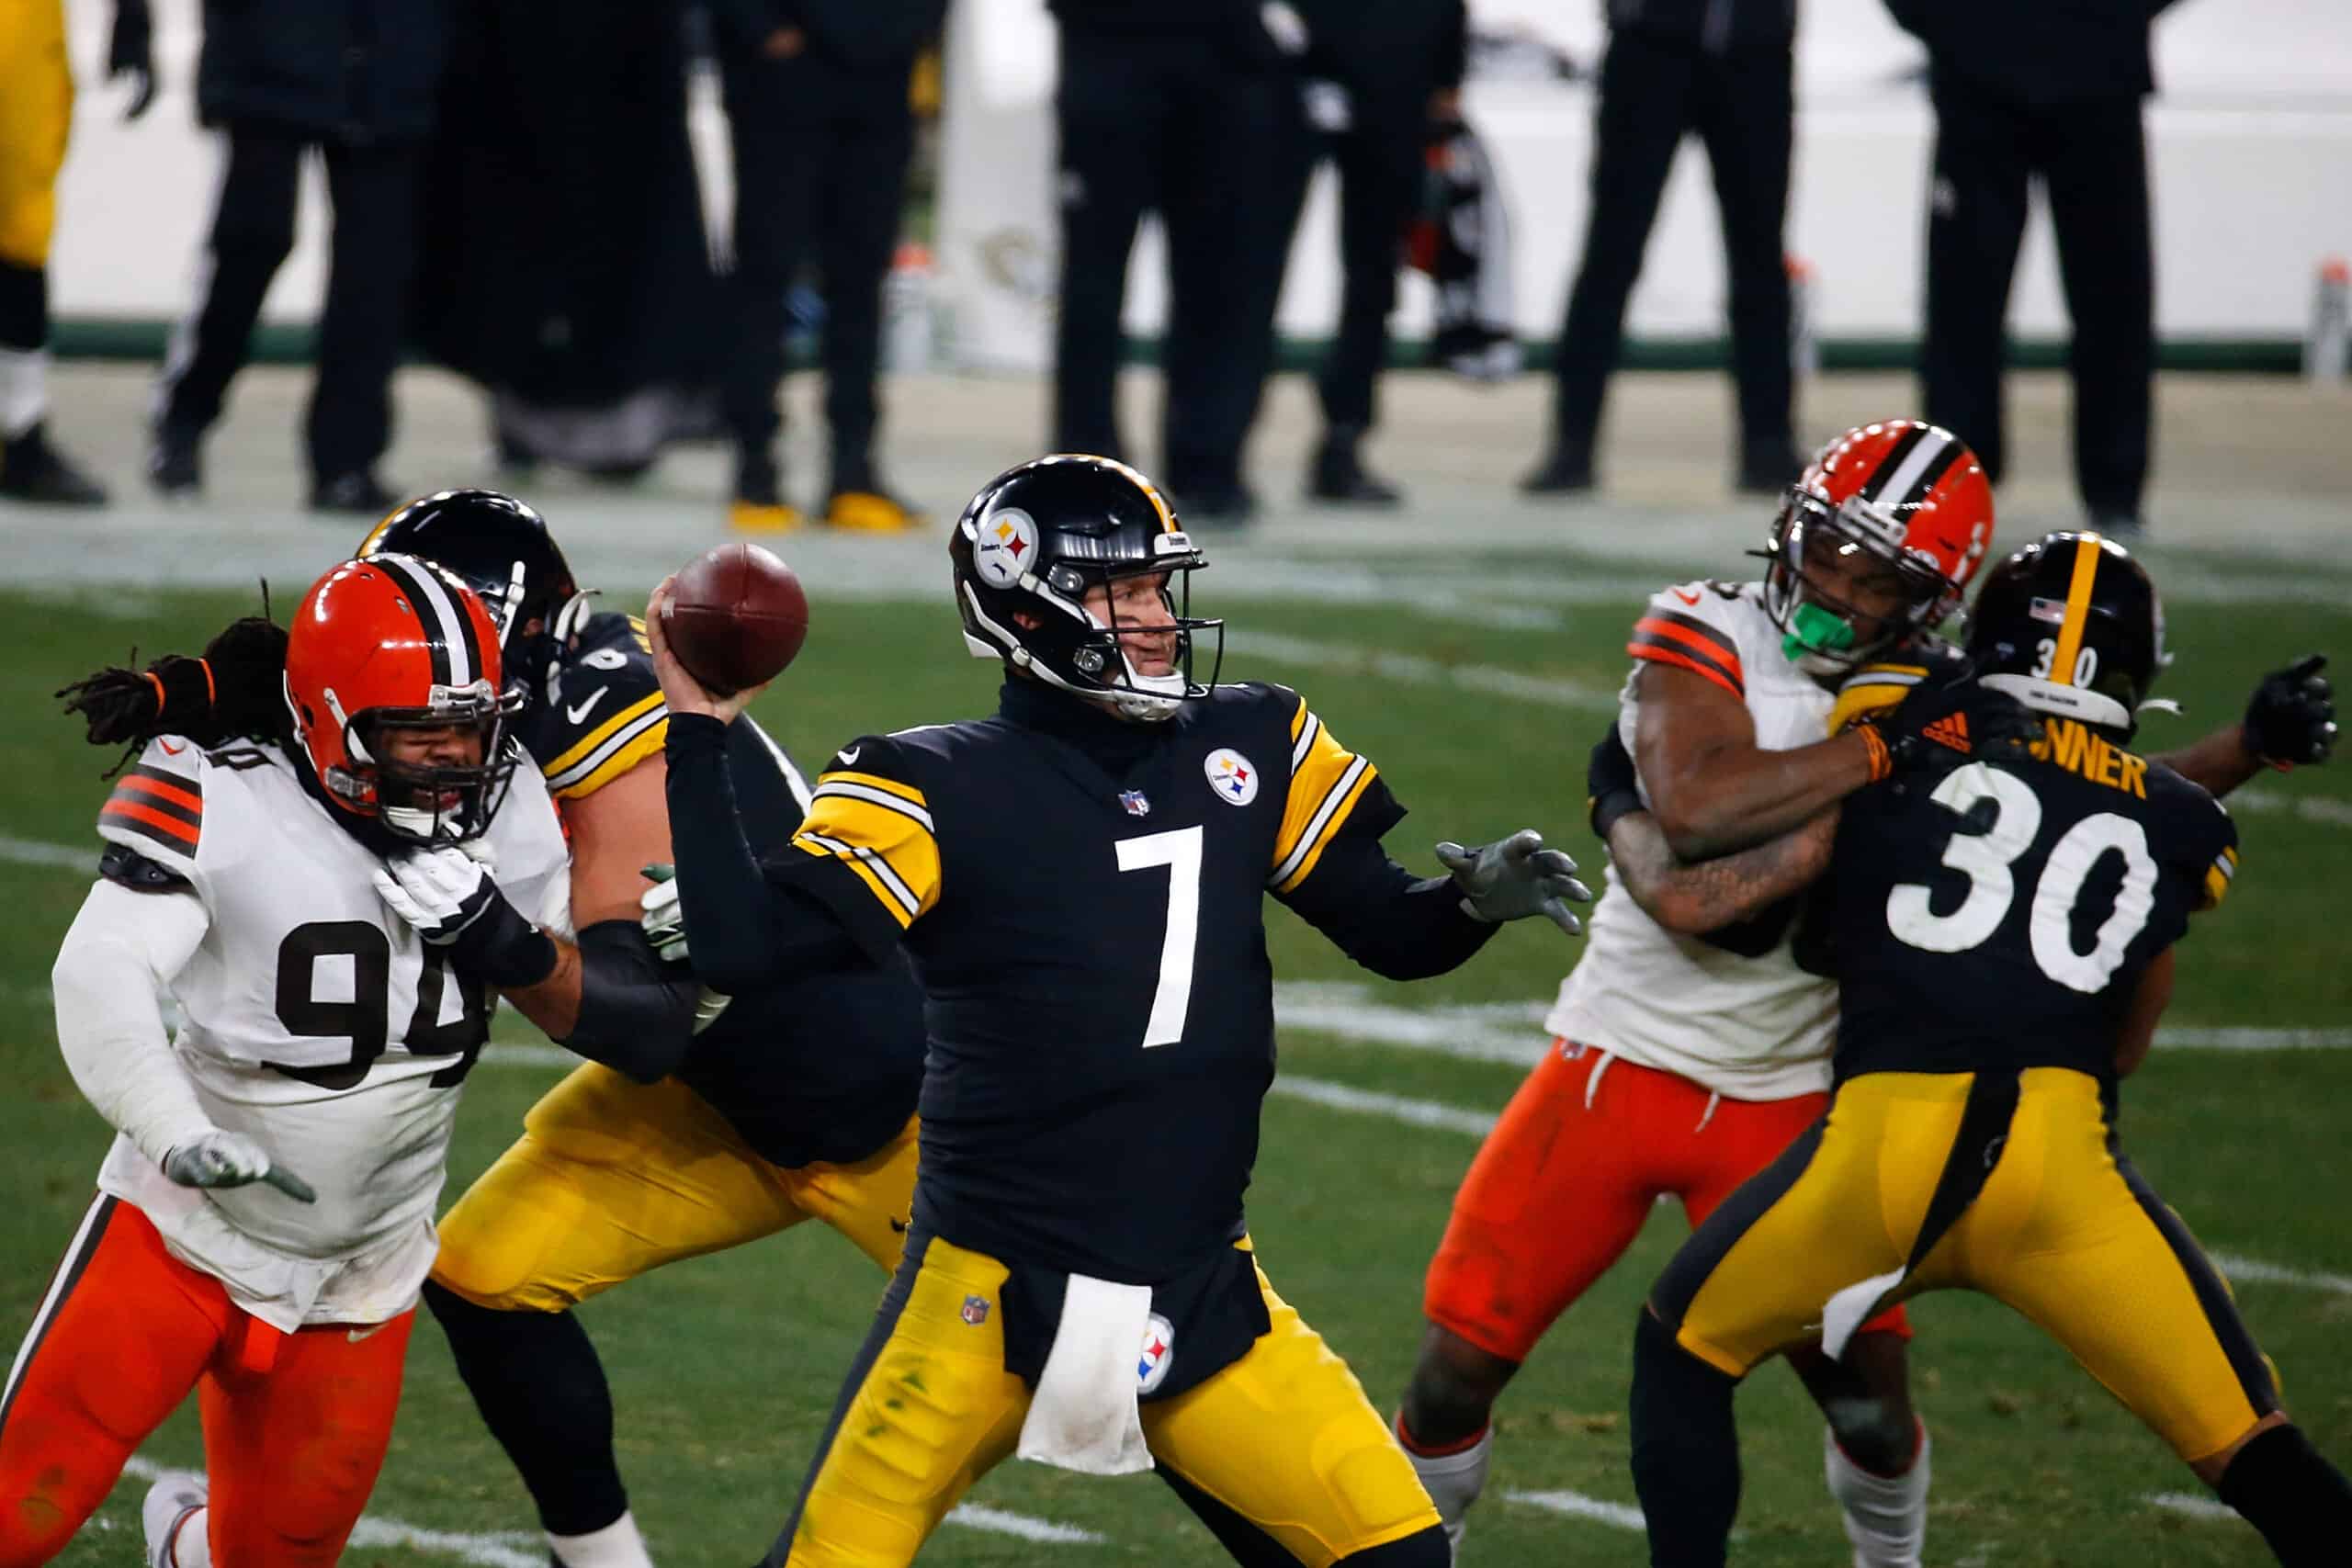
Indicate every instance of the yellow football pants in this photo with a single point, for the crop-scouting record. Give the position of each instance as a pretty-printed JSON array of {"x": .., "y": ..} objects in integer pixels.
[
  {"x": 612, "y": 1178},
  {"x": 2063, "y": 1231},
  {"x": 1284, "y": 1437},
  {"x": 36, "y": 111}
]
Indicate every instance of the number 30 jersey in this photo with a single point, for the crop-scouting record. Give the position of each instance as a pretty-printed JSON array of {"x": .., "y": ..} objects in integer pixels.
[
  {"x": 316, "y": 1022},
  {"x": 2003, "y": 918}
]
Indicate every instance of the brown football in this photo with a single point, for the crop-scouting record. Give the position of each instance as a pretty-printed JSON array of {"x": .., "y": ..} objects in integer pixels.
[{"x": 736, "y": 616}]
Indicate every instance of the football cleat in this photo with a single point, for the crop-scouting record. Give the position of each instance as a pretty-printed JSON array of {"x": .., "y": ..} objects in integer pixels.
[{"x": 175, "y": 1497}]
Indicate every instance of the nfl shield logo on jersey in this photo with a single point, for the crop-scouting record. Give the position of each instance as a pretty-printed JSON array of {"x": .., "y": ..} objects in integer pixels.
[
  {"x": 1159, "y": 1354},
  {"x": 1232, "y": 775},
  {"x": 1135, "y": 802},
  {"x": 976, "y": 1310}
]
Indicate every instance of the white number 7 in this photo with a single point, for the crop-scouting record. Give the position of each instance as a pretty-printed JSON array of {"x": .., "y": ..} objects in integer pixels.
[{"x": 1179, "y": 851}]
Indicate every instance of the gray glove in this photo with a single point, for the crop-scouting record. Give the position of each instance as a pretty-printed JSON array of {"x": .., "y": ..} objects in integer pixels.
[
  {"x": 1516, "y": 877},
  {"x": 663, "y": 922},
  {"x": 231, "y": 1159}
]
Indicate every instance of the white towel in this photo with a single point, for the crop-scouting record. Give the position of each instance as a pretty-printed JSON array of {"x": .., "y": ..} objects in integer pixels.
[
  {"x": 1084, "y": 1416},
  {"x": 1853, "y": 1306}
]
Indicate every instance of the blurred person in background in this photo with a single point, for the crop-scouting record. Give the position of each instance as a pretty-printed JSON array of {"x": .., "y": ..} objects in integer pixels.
[
  {"x": 357, "y": 80},
  {"x": 2025, "y": 91},
  {"x": 1382, "y": 72},
  {"x": 1723, "y": 69},
  {"x": 818, "y": 113},
  {"x": 1178, "y": 109},
  {"x": 565, "y": 265},
  {"x": 36, "y": 111}
]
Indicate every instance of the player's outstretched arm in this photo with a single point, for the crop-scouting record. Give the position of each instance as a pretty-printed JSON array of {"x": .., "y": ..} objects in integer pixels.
[
  {"x": 124, "y": 947},
  {"x": 1707, "y": 896},
  {"x": 2289, "y": 722},
  {"x": 1713, "y": 789},
  {"x": 1402, "y": 927}
]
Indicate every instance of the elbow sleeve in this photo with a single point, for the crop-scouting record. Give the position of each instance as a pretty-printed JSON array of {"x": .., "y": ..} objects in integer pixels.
[{"x": 637, "y": 1016}]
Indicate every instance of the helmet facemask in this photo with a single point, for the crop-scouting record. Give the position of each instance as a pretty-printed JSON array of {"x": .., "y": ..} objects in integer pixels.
[
  {"x": 1824, "y": 633},
  {"x": 426, "y": 803}
]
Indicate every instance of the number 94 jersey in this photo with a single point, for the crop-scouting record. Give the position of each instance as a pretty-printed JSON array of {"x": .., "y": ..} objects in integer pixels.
[
  {"x": 316, "y": 1022},
  {"x": 2003, "y": 919}
]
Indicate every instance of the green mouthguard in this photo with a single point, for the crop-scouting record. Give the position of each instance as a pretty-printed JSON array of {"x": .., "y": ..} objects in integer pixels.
[{"x": 1815, "y": 630}]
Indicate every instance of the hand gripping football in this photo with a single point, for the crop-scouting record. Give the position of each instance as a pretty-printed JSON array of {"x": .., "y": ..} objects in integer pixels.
[{"x": 736, "y": 617}]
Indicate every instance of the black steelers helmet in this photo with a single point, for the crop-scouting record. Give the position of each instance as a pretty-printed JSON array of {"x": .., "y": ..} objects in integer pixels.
[
  {"x": 501, "y": 548},
  {"x": 1030, "y": 545},
  {"x": 2071, "y": 625}
]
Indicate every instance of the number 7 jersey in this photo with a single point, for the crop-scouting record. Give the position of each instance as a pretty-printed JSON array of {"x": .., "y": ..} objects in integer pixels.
[
  {"x": 314, "y": 1022},
  {"x": 2003, "y": 919}
]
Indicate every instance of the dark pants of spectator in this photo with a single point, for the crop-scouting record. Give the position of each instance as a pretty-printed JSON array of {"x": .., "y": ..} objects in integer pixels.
[
  {"x": 1741, "y": 104},
  {"x": 2093, "y": 163},
  {"x": 820, "y": 171},
  {"x": 1379, "y": 160},
  {"x": 1168, "y": 125},
  {"x": 371, "y": 255}
]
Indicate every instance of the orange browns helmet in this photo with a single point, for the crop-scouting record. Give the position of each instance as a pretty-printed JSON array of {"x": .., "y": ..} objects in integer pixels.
[
  {"x": 395, "y": 642},
  {"x": 1911, "y": 494}
]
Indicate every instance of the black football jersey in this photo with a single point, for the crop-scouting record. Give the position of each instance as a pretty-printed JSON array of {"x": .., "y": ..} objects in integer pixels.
[
  {"x": 1091, "y": 946},
  {"x": 2003, "y": 918},
  {"x": 819, "y": 1069}
]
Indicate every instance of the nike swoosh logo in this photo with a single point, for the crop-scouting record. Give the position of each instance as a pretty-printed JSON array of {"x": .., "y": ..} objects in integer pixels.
[
  {"x": 574, "y": 714},
  {"x": 170, "y": 750},
  {"x": 850, "y": 757},
  {"x": 1686, "y": 598},
  {"x": 373, "y": 1329}
]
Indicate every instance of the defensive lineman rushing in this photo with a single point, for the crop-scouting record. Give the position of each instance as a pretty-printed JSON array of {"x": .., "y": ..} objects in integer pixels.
[
  {"x": 2005, "y": 945},
  {"x": 682, "y": 1136},
  {"x": 1692, "y": 1042},
  {"x": 1080, "y": 880},
  {"x": 264, "y": 1216}
]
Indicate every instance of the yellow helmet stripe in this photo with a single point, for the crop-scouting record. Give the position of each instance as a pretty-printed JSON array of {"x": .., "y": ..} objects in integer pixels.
[{"x": 2079, "y": 605}]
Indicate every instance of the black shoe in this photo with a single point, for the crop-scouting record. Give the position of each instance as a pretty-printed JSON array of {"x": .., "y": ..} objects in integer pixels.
[
  {"x": 2123, "y": 525},
  {"x": 358, "y": 493},
  {"x": 1338, "y": 475},
  {"x": 175, "y": 470},
  {"x": 31, "y": 469},
  {"x": 1566, "y": 470},
  {"x": 1767, "y": 468}
]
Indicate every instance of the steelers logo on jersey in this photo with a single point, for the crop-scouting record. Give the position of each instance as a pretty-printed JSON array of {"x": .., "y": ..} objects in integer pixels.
[
  {"x": 1003, "y": 545},
  {"x": 1232, "y": 775},
  {"x": 1159, "y": 1354}
]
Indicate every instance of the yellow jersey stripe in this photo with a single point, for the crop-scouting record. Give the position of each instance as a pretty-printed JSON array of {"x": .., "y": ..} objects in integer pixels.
[
  {"x": 872, "y": 870},
  {"x": 890, "y": 846},
  {"x": 2217, "y": 886},
  {"x": 905, "y": 791},
  {"x": 596, "y": 738},
  {"x": 1298, "y": 723},
  {"x": 1328, "y": 821},
  {"x": 625, "y": 752},
  {"x": 2079, "y": 605}
]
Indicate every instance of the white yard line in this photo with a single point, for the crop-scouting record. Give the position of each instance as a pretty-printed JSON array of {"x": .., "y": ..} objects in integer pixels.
[
  {"x": 31, "y": 852},
  {"x": 1396, "y": 1108},
  {"x": 2253, "y": 1270},
  {"x": 1412, "y": 669},
  {"x": 2302, "y": 807},
  {"x": 2191, "y": 1504},
  {"x": 979, "y": 1517},
  {"x": 1581, "y": 1506}
]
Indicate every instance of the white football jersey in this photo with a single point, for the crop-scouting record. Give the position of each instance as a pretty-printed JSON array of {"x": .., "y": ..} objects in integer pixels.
[
  {"x": 1749, "y": 1028},
  {"x": 316, "y": 1022}
]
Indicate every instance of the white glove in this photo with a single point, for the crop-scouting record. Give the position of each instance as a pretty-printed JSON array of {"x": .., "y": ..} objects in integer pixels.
[
  {"x": 708, "y": 1005},
  {"x": 663, "y": 922},
  {"x": 1515, "y": 877},
  {"x": 231, "y": 1159},
  {"x": 439, "y": 891},
  {"x": 1284, "y": 26}
]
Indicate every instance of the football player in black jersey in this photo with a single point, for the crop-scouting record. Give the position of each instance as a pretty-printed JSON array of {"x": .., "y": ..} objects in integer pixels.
[
  {"x": 2005, "y": 942},
  {"x": 1080, "y": 879},
  {"x": 683, "y": 1134}
]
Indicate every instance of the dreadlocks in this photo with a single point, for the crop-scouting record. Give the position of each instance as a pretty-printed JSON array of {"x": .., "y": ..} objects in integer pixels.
[{"x": 235, "y": 691}]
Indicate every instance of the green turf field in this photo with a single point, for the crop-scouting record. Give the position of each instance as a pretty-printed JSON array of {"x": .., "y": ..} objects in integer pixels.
[{"x": 724, "y": 1369}]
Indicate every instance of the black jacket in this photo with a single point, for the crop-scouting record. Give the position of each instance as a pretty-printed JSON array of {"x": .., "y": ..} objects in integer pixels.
[
  {"x": 2038, "y": 52},
  {"x": 353, "y": 72},
  {"x": 1717, "y": 26},
  {"x": 1383, "y": 48},
  {"x": 856, "y": 33}
]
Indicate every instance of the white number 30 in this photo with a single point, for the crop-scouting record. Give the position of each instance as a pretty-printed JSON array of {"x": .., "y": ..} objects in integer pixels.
[{"x": 1985, "y": 858}]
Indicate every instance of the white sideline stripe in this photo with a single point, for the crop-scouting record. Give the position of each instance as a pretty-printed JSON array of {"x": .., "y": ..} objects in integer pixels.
[
  {"x": 1412, "y": 669},
  {"x": 498, "y": 1549},
  {"x": 979, "y": 1517},
  {"x": 2253, "y": 1039},
  {"x": 2308, "y": 807},
  {"x": 1582, "y": 1508},
  {"x": 2189, "y": 1503},
  {"x": 2253, "y": 1270}
]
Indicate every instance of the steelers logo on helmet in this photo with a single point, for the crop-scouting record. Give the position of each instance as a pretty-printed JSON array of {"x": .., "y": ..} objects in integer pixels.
[
  {"x": 1232, "y": 775},
  {"x": 1159, "y": 1354},
  {"x": 1004, "y": 544}
]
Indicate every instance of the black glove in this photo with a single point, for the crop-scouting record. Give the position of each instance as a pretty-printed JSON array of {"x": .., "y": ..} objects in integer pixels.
[
  {"x": 1612, "y": 786},
  {"x": 131, "y": 51},
  {"x": 1944, "y": 724},
  {"x": 2291, "y": 718}
]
